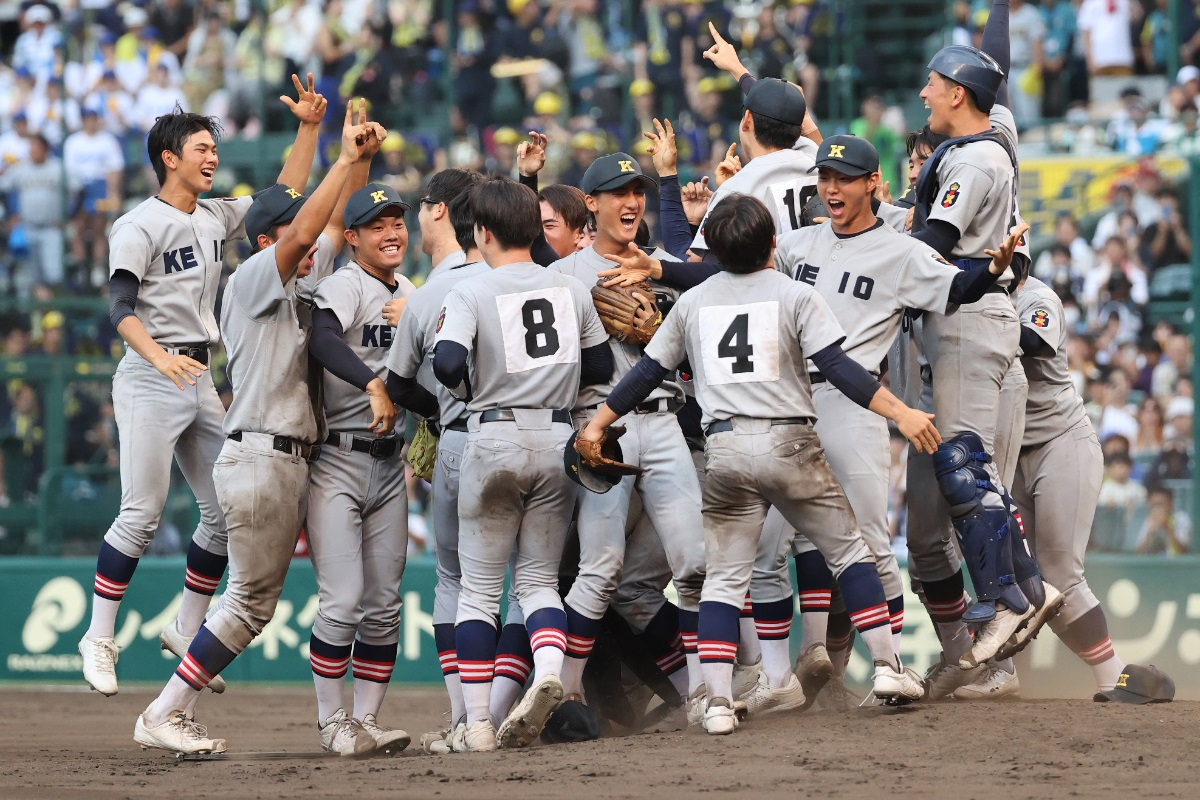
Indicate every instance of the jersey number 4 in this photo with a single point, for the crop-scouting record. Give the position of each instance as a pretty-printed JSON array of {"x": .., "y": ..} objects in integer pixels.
[
  {"x": 735, "y": 344},
  {"x": 740, "y": 343}
]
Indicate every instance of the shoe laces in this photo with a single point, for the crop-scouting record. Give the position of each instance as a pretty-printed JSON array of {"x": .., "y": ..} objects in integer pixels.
[
  {"x": 190, "y": 728},
  {"x": 105, "y": 652}
]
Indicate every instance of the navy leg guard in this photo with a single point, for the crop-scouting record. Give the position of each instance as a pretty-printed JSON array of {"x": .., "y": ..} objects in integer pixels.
[
  {"x": 1025, "y": 566},
  {"x": 984, "y": 533}
]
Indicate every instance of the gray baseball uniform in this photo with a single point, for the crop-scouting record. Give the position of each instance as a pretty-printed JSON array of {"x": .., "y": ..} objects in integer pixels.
[
  {"x": 357, "y": 502},
  {"x": 668, "y": 487},
  {"x": 1060, "y": 468},
  {"x": 525, "y": 327},
  {"x": 177, "y": 257}
]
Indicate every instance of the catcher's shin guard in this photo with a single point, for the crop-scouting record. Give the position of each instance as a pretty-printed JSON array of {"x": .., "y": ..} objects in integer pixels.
[{"x": 985, "y": 530}]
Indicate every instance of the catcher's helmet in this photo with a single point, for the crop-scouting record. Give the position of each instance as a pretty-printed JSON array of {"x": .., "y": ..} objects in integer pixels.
[
  {"x": 974, "y": 69},
  {"x": 583, "y": 475}
]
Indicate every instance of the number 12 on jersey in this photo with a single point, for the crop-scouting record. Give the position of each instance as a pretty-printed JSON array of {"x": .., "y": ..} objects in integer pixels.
[{"x": 740, "y": 344}]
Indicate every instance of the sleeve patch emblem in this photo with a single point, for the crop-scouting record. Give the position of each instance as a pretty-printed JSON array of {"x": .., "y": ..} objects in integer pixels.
[
  {"x": 951, "y": 195},
  {"x": 1040, "y": 318},
  {"x": 441, "y": 320}
]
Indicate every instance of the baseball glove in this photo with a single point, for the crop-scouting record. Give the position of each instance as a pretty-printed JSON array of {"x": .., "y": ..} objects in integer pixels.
[
  {"x": 422, "y": 453},
  {"x": 618, "y": 308},
  {"x": 602, "y": 457}
]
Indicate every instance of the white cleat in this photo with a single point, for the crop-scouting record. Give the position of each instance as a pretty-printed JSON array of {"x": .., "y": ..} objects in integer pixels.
[
  {"x": 178, "y": 734},
  {"x": 895, "y": 687},
  {"x": 478, "y": 737},
  {"x": 100, "y": 664},
  {"x": 993, "y": 684},
  {"x": 696, "y": 703},
  {"x": 392, "y": 739},
  {"x": 345, "y": 735},
  {"x": 942, "y": 679},
  {"x": 745, "y": 677},
  {"x": 813, "y": 670},
  {"x": 1026, "y": 634},
  {"x": 766, "y": 699},
  {"x": 524, "y": 723},
  {"x": 436, "y": 743},
  {"x": 177, "y": 644},
  {"x": 836, "y": 697},
  {"x": 994, "y": 634},
  {"x": 720, "y": 719}
]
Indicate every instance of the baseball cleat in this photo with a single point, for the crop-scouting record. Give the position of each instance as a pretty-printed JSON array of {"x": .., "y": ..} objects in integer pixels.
[
  {"x": 813, "y": 670},
  {"x": 436, "y": 743},
  {"x": 941, "y": 679},
  {"x": 766, "y": 699},
  {"x": 720, "y": 719},
  {"x": 344, "y": 735},
  {"x": 478, "y": 737},
  {"x": 745, "y": 677},
  {"x": 894, "y": 686},
  {"x": 993, "y": 635},
  {"x": 1026, "y": 634},
  {"x": 993, "y": 684},
  {"x": 392, "y": 739},
  {"x": 696, "y": 702},
  {"x": 100, "y": 664},
  {"x": 177, "y": 644},
  {"x": 524, "y": 723},
  {"x": 178, "y": 734},
  {"x": 836, "y": 697}
]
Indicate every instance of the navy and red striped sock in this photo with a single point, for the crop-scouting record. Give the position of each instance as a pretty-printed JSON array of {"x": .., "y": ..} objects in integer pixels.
[
  {"x": 443, "y": 641},
  {"x": 717, "y": 637},
  {"x": 204, "y": 570},
  {"x": 581, "y": 633},
  {"x": 514, "y": 655},
  {"x": 547, "y": 628},
  {"x": 205, "y": 659},
  {"x": 475, "y": 643},
  {"x": 374, "y": 662},
  {"x": 114, "y": 570},
  {"x": 328, "y": 660}
]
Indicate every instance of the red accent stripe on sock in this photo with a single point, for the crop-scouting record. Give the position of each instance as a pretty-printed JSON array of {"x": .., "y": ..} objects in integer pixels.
[
  {"x": 513, "y": 667},
  {"x": 200, "y": 584},
  {"x": 580, "y": 646},
  {"x": 873, "y": 617},
  {"x": 815, "y": 599},
  {"x": 671, "y": 662},
  {"x": 476, "y": 671},
  {"x": 718, "y": 651},
  {"x": 192, "y": 673},
  {"x": 1098, "y": 653},
  {"x": 110, "y": 590},
  {"x": 747, "y": 606},
  {"x": 773, "y": 629},
  {"x": 449, "y": 662},
  {"x": 548, "y": 637}
]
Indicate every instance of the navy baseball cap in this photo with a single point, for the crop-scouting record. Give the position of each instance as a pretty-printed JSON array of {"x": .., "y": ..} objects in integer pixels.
[
  {"x": 612, "y": 172},
  {"x": 1139, "y": 685},
  {"x": 271, "y": 207},
  {"x": 369, "y": 202},
  {"x": 776, "y": 99},
  {"x": 849, "y": 155}
]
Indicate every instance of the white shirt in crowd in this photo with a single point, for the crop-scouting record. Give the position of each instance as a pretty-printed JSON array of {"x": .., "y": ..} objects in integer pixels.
[
  {"x": 91, "y": 158},
  {"x": 1108, "y": 23}
]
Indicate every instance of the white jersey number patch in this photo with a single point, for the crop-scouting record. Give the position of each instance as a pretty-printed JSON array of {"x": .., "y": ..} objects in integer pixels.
[
  {"x": 790, "y": 198},
  {"x": 539, "y": 328},
  {"x": 740, "y": 344}
]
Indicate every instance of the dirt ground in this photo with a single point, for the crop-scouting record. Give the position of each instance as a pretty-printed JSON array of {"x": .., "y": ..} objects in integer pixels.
[{"x": 59, "y": 742}]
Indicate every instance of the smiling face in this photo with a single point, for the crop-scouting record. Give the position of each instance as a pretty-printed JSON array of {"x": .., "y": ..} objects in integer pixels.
[
  {"x": 916, "y": 160},
  {"x": 848, "y": 199},
  {"x": 941, "y": 97},
  {"x": 618, "y": 212},
  {"x": 196, "y": 163},
  {"x": 560, "y": 236},
  {"x": 380, "y": 243}
]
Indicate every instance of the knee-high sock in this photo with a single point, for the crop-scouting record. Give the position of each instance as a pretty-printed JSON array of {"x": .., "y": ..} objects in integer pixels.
[
  {"x": 205, "y": 659},
  {"x": 329, "y": 664},
  {"x": 373, "y": 665},
  {"x": 514, "y": 662},
  {"x": 114, "y": 570},
  {"x": 814, "y": 582},
  {"x": 841, "y": 641},
  {"x": 749, "y": 648},
  {"x": 774, "y": 625},
  {"x": 548, "y": 637},
  {"x": 718, "y": 642},
  {"x": 204, "y": 571},
  {"x": 664, "y": 644},
  {"x": 443, "y": 640},
  {"x": 946, "y": 603},
  {"x": 1087, "y": 637},
  {"x": 475, "y": 642},
  {"x": 689, "y": 625},
  {"x": 896, "y": 611},
  {"x": 868, "y": 609},
  {"x": 581, "y": 638}
]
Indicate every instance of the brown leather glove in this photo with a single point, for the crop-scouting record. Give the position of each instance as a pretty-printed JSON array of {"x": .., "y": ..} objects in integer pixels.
[
  {"x": 604, "y": 457},
  {"x": 628, "y": 313}
]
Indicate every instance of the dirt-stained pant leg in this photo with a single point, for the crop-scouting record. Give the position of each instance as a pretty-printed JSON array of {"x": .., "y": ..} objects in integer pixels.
[
  {"x": 772, "y": 579},
  {"x": 384, "y": 549},
  {"x": 1010, "y": 422},
  {"x": 1056, "y": 488},
  {"x": 156, "y": 421},
  {"x": 261, "y": 492},
  {"x": 639, "y": 595},
  {"x": 445, "y": 525}
]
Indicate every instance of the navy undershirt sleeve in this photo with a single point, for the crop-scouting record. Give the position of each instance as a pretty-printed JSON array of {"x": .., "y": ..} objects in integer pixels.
[
  {"x": 940, "y": 235},
  {"x": 646, "y": 375},
  {"x": 676, "y": 231},
  {"x": 971, "y": 284},
  {"x": 684, "y": 275},
  {"x": 996, "y": 43},
  {"x": 1034, "y": 346},
  {"x": 332, "y": 352},
  {"x": 407, "y": 393},
  {"x": 846, "y": 374},
  {"x": 123, "y": 293},
  {"x": 450, "y": 363},
  {"x": 595, "y": 364}
]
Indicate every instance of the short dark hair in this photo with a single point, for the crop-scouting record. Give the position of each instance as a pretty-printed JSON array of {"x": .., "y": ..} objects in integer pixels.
[
  {"x": 450, "y": 183},
  {"x": 740, "y": 232},
  {"x": 508, "y": 210},
  {"x": 567, "y": 202},
  {"x": 463, "y": 221},
  {"x": 171, "y": 131},
  {"x": 924, "y": 139},
  {"x": 773, "y": 133},
  {"x": 642, "y": 237}
]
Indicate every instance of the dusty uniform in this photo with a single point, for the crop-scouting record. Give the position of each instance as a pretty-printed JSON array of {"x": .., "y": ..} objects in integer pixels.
[
  {"x": 262, "y": 472},
  {"x": 177, "y": 257},
  {"x": 781, "y": 180},
  {"x": 524, "y": 327},
  {"x": 966, "y": 354},
  {"x": 357, "y": 503},
  {"x": 1060, "y": 467},
  {"x": 746, "y": 337},
  {"x": 410, "y": 358},
  {"x": 668, "y": 487},
  {"x": 867, "y": 279}
]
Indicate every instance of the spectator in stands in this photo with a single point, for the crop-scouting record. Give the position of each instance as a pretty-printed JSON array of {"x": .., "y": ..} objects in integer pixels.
[
  {"x": 1118, "y": 489},
  {"x": 475, "y": 51},
  {"x": 584, "y": 150},
  {"x": 1172, "y": 464},
  {"x": 1114, "y": 260},
  {"x": 1183, "y": 136},
  {"x": 336, "y": 48},
  {"x": 14, "y": 143},
  {"x": 1176, "y": 362},
  {"x": 1179, "y": 419},
  {"x": 1167, "y": 241},
  {"x": 1116, "y": 413},
  {"x": 158, "y": 97},
  {"x": 209, "y": 63},
  {"x": 294, "y": 26},
  {"x": 1058, "y": 16},
  {"x": 53, "y": 115},
  {"x": 870, "y": 126},
  {"x": 1166, "y": 531},
  {"x": 589, "y": 51},
  {"x": 1149, "y": 439},
  {"x": 664, "y": 48},
  {"x": 36, "y": 186},
  {"x": 174, "y": 21},
  {"x": 23, "y": 426},
  {"x": 37, "y": 49},
  {"x": 1027, "y": 32},
  {"x": 1104, "y": 26},
  {"x": 114, "y": 104},
  {"x": 1075, "y": 254},
  {"x": 53, "y": 341},
  {"x": 1155, "y": 38},
  {"x": 393, "y": 168},
  {"x": 95, "y": 164},
  {"x": 1136, "y": 134}
]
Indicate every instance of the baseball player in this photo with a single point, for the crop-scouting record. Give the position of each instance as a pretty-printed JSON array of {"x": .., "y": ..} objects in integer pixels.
[
  {"x": 357, "y": 503},
  {"x": 615, "y": 189},
  {"x": 746, "y": 334},
  {"x": 165, "y": 267},
  {"x": 867, "y": 273},
  {"x": 437, "y": 231},
  {"x": 516, "y": 344},
  {"x": 272, "y": 431}
]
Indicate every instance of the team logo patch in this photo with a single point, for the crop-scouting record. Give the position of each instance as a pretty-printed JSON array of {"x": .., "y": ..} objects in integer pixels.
[
  {"x": 441, "y": 320},
  {"x": 381, "y": 195},
  {"x": 626, "y": 166},
  {"x": 951, "y": 195},
  {"x": 835, "y": 150},
  {"x": 940, "y": 260},
  {"x": 1040, "y": 318}
]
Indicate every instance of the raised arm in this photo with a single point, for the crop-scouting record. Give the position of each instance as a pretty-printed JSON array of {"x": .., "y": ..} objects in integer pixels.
[{"x": 309, "y": 108}]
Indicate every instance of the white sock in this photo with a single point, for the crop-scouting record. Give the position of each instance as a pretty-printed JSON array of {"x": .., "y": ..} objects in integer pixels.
[
  {"x": 956, "y": 640},
  {"x": 177, "y": 695},
  {"x": 1007, "y": 665},
  {"x": 749, "y": 651},
  {"x": 505, "y": 692},
  {"x": 330, "y": 696},
  {"x": 1108, "y": 672},
  {"x": 104, "y": 618},
  {"x": 776, "y": 660},
  {"x": 572, "y": 674},
  {"x": 879, "y": 642},
  {"x": 454, "y": 689},
  {"x": 695, "y": 673},
  {"x": 719, "y": 677},
  {"x": 191, "y": 706},
  {"x": 547, "y": 661},
  {"x": 814, "y": 628},
  {"x": 368, "y": 697},
  {"x": 896, "y": 644},
  {"x": 679, "y": 679},
  {"x": 840, "y": 659},
  {"x": 192, "y": 609},
  {"x": 477, "y": 697}
]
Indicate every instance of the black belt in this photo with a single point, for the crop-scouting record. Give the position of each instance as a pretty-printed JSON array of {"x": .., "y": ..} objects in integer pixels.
[
  {"x": 376, "y": 448},
  {"x": 723, "y": 425},
  {"x": 196, "y": 352},
  {"x": 662, "y": 405},
  {"x": 309, "y": 452},
  {"x": 459, "y": 425},
  {"x": 507, "y": 415}
]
